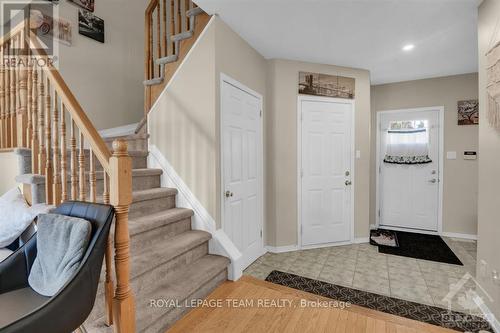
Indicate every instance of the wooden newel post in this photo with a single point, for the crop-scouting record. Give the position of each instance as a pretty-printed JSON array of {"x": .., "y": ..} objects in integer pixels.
[{"x": 120, "y": 165}]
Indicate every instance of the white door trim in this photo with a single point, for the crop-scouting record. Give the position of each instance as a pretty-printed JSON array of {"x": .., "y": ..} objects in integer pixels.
[
  {"x": 300, "y": 99},
  {"x": 440, "y": 110},
  {"x": 227, "y": 79}
]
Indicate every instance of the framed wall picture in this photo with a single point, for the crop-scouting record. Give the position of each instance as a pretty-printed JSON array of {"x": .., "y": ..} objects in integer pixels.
[
  {"x": 468, "y": 112},
  {"x": 90, "y": 25},
  {"x": 86, "y": 4},
  {"x": 326, "y": 85},
  {"x": 45, "y": 26}
]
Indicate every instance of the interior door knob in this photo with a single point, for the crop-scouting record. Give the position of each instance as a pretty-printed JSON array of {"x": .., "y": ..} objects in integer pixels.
[
  {"x": 229, "y": 194},
  {"x": 433, "y": 180},
  {"x": 348, "y": 182}
]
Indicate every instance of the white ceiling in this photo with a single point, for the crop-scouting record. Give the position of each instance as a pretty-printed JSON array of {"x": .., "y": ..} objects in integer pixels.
[{"x": 365, "y": 34}]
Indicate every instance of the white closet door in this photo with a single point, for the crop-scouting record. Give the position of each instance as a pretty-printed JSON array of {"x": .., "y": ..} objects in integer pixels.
[
  {"x": 242, "y": 171},
  {"x": 326, "y": 166}
]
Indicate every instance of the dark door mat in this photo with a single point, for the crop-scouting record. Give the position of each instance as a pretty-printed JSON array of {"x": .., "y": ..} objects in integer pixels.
[
  {"x": 383, "y": 237},
  {"x": 425, "y": 313},
  {"x": 421, "y": 246}
]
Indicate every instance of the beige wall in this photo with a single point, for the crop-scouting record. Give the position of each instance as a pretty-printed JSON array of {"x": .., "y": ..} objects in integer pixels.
[
  {"x": 281, "y": 158},
  {"x": 235, "y": 58},
  {"x": 182, "y": 124},
  {"x": 185, "y": 126},
  {"x": 8, "y": 171},
  {"x": 106, "y": 78},
  {"x": 460, "y": 176},
  {"x": 489, "y": 165}
]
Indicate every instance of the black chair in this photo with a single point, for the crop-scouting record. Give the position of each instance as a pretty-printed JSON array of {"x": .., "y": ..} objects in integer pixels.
[{"x": 24, "y": 310}]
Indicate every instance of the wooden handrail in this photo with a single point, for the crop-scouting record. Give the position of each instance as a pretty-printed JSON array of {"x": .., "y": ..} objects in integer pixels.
[
  {"x": 34, "y": 104},
  {"x": 151, "y": 7},
  {"x": 12, "y": 32}
]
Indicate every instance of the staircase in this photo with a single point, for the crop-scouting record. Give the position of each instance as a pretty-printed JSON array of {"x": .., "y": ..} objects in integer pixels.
[
  {"x": 169, "y": 260},
  {"x": 172, "y": 28},
  {"x": 160, "y": 263}
]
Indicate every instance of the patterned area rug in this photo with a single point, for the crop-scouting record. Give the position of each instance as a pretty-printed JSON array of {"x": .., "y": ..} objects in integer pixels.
[{"x": 416, "y": 311}]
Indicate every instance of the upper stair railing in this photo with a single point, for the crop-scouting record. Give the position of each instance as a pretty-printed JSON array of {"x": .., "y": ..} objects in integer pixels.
[
  {"x": 39, "y": 111},
  {"x": 12, "y": 112},
  {"x": 170, "y": 31}
]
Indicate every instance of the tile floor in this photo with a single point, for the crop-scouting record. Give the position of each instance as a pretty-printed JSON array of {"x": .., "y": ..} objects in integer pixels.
[{"x": 361, "y": 266}]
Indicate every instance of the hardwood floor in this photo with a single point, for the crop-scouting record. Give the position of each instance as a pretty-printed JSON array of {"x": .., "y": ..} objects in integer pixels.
[{"x": 230, "y": 316}]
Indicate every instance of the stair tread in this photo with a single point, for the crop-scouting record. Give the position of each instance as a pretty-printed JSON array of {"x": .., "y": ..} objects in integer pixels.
[
  {"x": 164, "y": 251},
  {"x": 132, "y": 153},
  {"x": 182, "y": 283},
  {"x": 168, "y": 59},
  {"x": 179, "y": 286},
  {"x": 146, "y": 172},
  {"x": 153, "y": 82},
  {"x": 154, "y": 193},
  {"x": 156, "y": 220},
  {"x": 29, "y": 178},
  {"x": 134, "y": 136},
  {"x": 138, "y": 153},
  {"x": 194, "y": 11},
  {"x": 182, "y": 36}
]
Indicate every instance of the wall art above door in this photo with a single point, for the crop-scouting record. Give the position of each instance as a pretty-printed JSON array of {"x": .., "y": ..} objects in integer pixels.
[{"x": 326, "y": 85}]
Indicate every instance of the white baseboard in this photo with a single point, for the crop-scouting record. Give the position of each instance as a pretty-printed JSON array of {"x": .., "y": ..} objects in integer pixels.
[
  {"x": 290, "y": 248},
  {"x": 488, "y": 315},
  {"x": 282, "y": 249},
  {"x": 201, "y": 220},
  {"x": 118, "y": 131},
  {"x": 457, "y": 235}
]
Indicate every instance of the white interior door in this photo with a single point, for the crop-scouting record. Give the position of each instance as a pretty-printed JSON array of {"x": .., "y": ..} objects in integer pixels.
[
  {"x": 326, "y": 171},
  {"x": 242, "y": 170},
  {"x": 409, "y": 193}
]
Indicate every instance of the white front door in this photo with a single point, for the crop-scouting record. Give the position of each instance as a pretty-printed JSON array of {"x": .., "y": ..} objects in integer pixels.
[
  {"x": 242, "y": 170},
  {"x": 326, "y": 171},
  {"x": 409, "y": 193}
]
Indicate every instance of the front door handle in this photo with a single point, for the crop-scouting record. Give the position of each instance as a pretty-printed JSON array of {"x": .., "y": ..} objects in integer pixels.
[
  {"x": 229, "y": 194},
  {"x": 348, "y": 182}
]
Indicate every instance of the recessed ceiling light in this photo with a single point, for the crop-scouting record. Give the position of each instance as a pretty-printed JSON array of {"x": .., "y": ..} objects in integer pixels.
[{"x": 408, "y": 47}]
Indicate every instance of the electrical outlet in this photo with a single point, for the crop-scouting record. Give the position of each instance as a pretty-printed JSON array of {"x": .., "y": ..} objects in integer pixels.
[{"x": 483, "y": 268}]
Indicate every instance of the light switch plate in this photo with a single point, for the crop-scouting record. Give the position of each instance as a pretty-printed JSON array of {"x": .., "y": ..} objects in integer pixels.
[
  {"x": 358, "y": 154},
  {"x": 451, "y": 155}
]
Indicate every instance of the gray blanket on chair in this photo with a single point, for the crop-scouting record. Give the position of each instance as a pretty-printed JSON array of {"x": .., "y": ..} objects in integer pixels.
[{"x": 61, "y": 244}]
